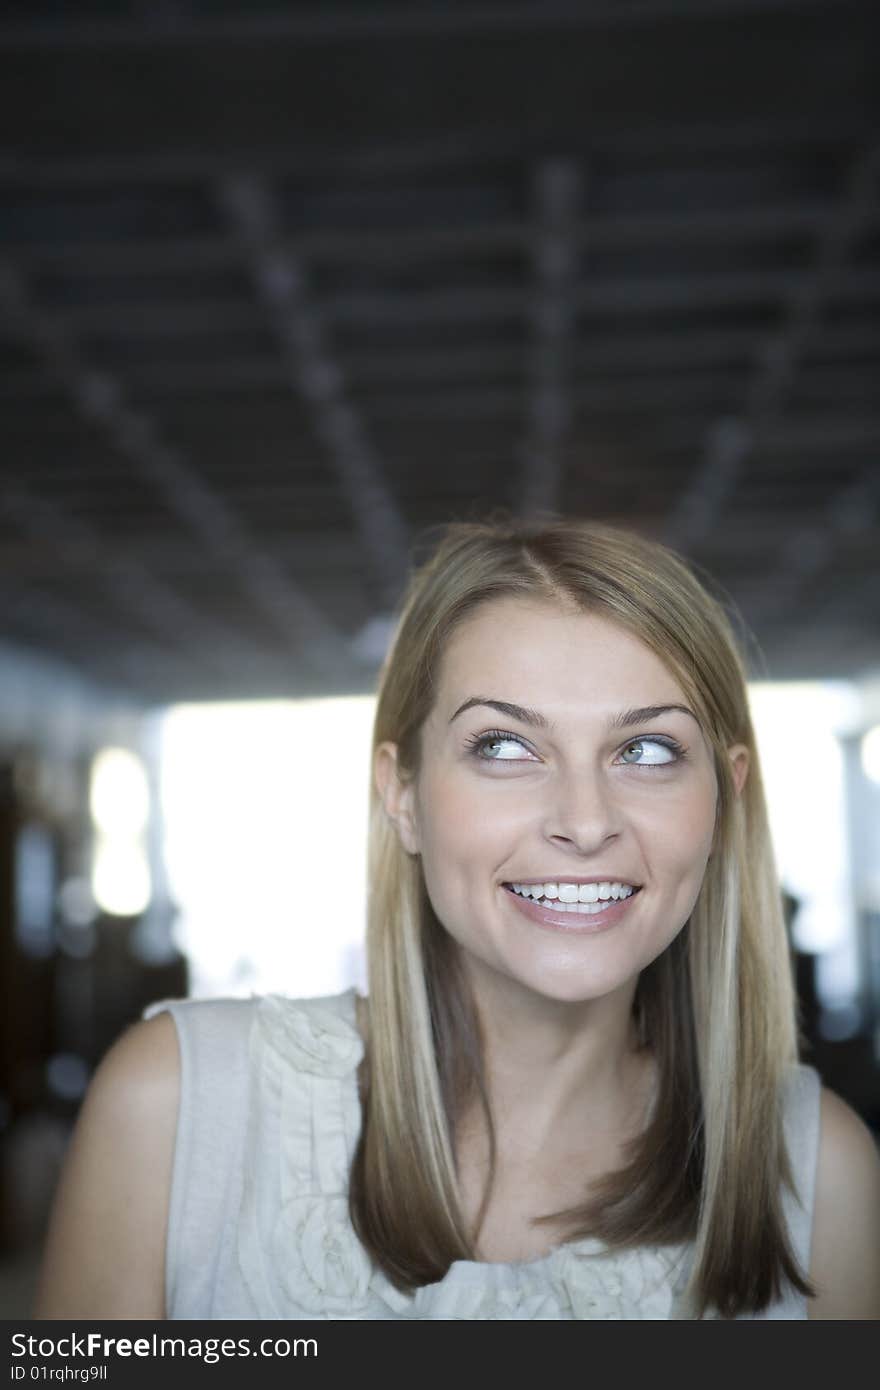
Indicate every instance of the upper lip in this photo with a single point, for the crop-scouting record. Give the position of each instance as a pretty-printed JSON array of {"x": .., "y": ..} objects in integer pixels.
[{"x": 576, "y": 878}]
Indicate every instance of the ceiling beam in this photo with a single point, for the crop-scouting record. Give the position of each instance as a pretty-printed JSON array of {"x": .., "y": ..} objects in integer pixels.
[
  {"x": 556, "y": 195},
  {"x": 809, "y": 551},
  {"x": 391, "y": 245},
  {"x": 624, "y": 295},
  {"x": 283, "y": 284},
  {"x": 76, "y": 548},
  {"x": 465, "y": 148},
  {"x": 317, "y": 25},
  {"x": 114, "y": 654},
  {"x": 631, "y": 423},
  {"x": 733, "y": 438},
  {"x": 641, "y": 351},
  {"x": 747, "y": 536},
  {"x": 100, "y": 399}
]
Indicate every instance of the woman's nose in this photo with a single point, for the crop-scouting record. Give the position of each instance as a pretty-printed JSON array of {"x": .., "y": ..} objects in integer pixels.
[{"x": 581, "y": 810}]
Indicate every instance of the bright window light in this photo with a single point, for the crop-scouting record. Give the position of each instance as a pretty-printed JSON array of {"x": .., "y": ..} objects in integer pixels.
[
  {"x": 121, "y": 876},
  {"x": 871, "y": 754},
  {"x": 797, "y": 725},
  {"x": 265, "y": 822},
  {"x": 119, "y": 795}
]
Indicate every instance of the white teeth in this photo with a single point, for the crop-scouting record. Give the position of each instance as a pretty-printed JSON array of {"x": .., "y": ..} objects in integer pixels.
[{"x": 567, "y": 894}]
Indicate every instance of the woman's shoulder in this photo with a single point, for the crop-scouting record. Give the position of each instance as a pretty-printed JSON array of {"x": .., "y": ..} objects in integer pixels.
[
  {"x": 845, "y": 1256},
  {"x": 135, "y": 1088},
  {"x": 137, "y": 1081},
  {"x": 108, "y": 1218}
]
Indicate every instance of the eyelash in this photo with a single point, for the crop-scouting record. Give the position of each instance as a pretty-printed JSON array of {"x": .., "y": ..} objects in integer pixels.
[{"x": 477, "y": 742}]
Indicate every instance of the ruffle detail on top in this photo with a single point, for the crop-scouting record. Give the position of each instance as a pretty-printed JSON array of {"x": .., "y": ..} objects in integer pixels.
[
  {"x": 620, "y": 1284},
  {"x": 332, "y": 1273},
  {"x": 297, "y": 1249},
  {"x": 311, "y": 1035}
]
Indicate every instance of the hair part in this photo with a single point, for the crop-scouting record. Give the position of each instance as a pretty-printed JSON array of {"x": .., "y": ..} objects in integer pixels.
[{"x": 709, "y": 1167}]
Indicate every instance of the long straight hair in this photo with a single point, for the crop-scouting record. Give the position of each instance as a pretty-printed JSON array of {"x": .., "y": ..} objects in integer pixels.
[{"x": 716, "y": 1007}]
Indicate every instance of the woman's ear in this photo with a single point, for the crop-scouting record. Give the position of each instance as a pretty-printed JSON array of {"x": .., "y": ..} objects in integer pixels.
[
  {"x": 397, "y": 796},
  {"x": 739, "y": 762}
]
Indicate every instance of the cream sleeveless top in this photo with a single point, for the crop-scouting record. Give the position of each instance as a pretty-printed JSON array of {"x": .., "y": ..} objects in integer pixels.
[{"x": 258, "y": 1225}]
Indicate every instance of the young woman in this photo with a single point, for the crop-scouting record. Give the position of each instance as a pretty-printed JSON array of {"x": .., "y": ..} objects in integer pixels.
[{"x": 573, "y": 1091}]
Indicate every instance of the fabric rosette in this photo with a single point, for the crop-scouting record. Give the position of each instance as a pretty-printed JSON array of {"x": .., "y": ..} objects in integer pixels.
[
  {"x": 312, "y": 1037},
  {"x": 323, "y": 1266}
]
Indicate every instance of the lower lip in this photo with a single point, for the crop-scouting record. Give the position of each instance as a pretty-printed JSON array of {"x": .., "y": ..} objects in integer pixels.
[{"x": 587, "y": 925}]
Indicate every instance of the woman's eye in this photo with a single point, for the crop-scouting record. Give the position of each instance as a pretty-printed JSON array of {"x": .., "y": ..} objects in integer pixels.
[
  {"x": 650, "y": 752},
  {"x": 496, "y": 748}
]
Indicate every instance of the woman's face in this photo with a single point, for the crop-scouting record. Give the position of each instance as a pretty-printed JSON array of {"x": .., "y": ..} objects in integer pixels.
[{"x": 560, "y": 793}]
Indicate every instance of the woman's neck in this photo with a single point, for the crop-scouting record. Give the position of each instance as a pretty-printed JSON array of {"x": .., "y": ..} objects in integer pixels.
[{"x": 562, "y": 1074}]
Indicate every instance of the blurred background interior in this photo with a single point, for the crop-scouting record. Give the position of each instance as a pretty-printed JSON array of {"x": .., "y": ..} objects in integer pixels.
[{"x": 285, "y": 286}]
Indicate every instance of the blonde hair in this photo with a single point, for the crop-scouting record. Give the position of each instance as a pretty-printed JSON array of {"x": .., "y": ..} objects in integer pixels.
[{"x": 717, "y": 1006}]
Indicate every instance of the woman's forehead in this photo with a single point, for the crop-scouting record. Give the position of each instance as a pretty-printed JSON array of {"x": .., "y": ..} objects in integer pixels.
[
  {"x": 529, "y": 652},
  {"x": 502, "y": 632}
]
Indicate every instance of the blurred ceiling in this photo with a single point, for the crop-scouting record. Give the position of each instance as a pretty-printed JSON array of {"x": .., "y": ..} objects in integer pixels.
[{"x": 282, "y": 288}]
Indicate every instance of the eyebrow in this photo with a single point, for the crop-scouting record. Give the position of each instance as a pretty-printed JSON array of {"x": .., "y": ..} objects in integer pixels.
[{"x": 624, "y": 720}]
